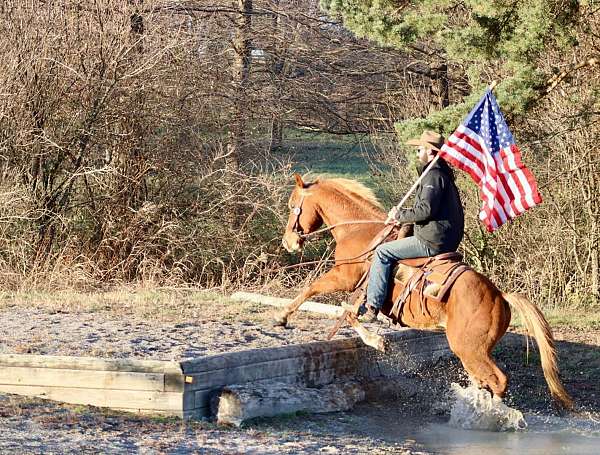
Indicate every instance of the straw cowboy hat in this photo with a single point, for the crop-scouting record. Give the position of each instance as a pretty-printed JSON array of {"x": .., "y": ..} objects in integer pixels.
[{"x": 428, "y": 139}]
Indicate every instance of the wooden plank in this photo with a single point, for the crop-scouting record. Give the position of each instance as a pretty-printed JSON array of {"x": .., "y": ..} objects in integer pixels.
[
  {"x": 301, "y": 365},
  {"x": 202, "y": 397},
  {"x": 253, "y": 356},
  {"x": 130, "y": 399},
  {"x": 89, "y": 379},
  {"x": 88, "y": 363},
  {"x": 315, "y": 307}
]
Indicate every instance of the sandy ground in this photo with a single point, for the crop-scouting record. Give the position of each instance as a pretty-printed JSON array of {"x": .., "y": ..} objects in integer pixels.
[
  {"x": 38, "y": 426},
  {"x": 107, "y": 334}
]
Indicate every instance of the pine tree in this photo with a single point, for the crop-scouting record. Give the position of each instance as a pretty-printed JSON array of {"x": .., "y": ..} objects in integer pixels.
[{"x": 482, "y": 39}]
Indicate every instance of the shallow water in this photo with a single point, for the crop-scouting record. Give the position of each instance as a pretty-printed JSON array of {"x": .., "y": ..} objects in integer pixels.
[
  {"x": 543, "y": 436},
  {"x": 467, "y": 432},
  {"x": 475, "y": 409}
]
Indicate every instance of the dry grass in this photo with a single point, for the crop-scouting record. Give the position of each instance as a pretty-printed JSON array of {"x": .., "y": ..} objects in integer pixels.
[{"x": 161, "y": 304}]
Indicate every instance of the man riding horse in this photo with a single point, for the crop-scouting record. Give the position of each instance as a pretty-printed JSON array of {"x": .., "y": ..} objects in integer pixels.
[
  {"x": 438, "y": 220},
  {"x": 474, "y": 312}
]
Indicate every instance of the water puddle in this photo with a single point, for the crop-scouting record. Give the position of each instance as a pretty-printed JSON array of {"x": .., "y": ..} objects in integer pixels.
[
  {"x": 480, "y": 425},
  {"x": 544, "y": 435}
]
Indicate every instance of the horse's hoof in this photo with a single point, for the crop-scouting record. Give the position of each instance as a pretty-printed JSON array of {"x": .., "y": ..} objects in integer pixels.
[
  {"x": 376, "y": 342},
  {"x": 381, "y": 345},
  {"x": 280, "y": 321}
]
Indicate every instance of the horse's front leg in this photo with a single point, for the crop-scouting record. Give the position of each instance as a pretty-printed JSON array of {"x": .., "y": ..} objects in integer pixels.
[
  {"x": 340, "y": 278},
  {"x": 370, "y": 339}
]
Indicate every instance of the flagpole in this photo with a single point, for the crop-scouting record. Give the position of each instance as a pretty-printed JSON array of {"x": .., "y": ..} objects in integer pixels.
[{"x": 426, "y": 170}]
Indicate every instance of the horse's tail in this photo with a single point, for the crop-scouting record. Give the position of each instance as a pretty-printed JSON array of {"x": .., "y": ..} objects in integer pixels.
[{"x": 536, "y": 325}]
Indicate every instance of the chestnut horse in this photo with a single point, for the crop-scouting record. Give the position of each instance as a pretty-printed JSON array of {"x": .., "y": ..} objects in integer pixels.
[{"x": 476, "y": 313}]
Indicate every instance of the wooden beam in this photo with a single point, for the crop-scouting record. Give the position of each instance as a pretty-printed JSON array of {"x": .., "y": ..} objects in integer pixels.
[
  {"x": 123, "y": 399},
  {"x": 89, "y": 363},
  {"x": 315, "y": 307},
  {"x": 87, "y": 379},
  {"x": 254, "y": 356},
  {"x": 298, "y": 365}
]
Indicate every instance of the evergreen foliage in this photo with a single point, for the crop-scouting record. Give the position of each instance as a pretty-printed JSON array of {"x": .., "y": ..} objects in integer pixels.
[{"x": 479, "y": 40}]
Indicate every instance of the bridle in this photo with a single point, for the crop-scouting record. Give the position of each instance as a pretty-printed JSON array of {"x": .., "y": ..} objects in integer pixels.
[
  {"x": 297, "y": 211},
  {"x": 297, "y": 229}
]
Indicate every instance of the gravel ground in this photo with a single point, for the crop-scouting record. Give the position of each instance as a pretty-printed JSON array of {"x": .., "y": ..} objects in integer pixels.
[
  {"x": 166, "y": 331},
  {"x": 35, "y": 426},
  {"x": 105, "y": 334}
]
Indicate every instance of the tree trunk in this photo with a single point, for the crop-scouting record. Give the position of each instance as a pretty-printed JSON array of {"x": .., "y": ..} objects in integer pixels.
[
  {"x": 239, "y": 403},
  {"x": 276, "y": 134},
  {"x": 594, "y": 235},
  {"x": 240, "y": 71}
]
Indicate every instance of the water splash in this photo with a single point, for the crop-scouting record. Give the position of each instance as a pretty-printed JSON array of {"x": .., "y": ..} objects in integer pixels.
[{"x": 476, "y": 409}]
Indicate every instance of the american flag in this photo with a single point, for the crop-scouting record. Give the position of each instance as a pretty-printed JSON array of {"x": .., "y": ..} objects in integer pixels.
[{"x": 484, "y": 147}]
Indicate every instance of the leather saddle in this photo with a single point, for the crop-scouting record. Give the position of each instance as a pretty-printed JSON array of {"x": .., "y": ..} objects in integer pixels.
[{"x": 431, "y": 277}]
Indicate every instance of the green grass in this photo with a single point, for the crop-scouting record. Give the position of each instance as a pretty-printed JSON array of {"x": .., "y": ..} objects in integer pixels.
[
  {"x": 574, "y": 319},
  {"x": 330, "y": 155}
]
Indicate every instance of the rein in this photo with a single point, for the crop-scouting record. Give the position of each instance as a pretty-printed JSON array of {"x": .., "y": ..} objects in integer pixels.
[
  {"x": 380, "y": 237},
  {"x": 329, "y": 228}
]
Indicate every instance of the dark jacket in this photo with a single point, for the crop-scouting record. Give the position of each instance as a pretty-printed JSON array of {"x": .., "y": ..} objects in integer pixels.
[{"x": 437, "y": 213}]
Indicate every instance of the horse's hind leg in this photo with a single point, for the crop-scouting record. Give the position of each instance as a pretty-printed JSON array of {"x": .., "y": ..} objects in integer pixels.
[
  {"x": 475, "y": 324},
  {"x": 337, "y": 279},
  {"x": 474, "y": 353},
  {"x": 482, "y": 368}
]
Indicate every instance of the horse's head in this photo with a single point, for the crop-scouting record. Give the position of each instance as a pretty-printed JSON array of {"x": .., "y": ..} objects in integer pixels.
[{"x": 304, "y": 216}]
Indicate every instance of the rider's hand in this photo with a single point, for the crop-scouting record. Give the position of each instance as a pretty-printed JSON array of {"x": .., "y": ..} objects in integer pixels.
[{"x": 391, "y": 217}]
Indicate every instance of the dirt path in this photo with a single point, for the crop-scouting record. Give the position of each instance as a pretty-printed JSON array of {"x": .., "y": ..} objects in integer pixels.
[{"x": 216, "y": 327}]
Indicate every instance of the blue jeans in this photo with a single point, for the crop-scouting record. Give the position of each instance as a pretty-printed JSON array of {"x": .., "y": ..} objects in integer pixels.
[{"x": 384, "y": 259}]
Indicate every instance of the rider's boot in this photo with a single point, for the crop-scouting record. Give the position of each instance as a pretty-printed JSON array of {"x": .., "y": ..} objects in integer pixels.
[{"x": 367, "y": 313}]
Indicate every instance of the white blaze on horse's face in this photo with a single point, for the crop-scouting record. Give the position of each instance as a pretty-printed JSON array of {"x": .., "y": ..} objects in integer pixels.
[
  {"x": 302, "y": 219},
  {"x": 292, "y": 240}
]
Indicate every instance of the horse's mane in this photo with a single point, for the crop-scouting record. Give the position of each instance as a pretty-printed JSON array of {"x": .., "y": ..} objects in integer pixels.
[{"x": 354, "y": 188}]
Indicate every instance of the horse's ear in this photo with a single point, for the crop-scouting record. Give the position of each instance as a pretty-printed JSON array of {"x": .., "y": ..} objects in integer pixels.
[{"x": 299, "y": 182}]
